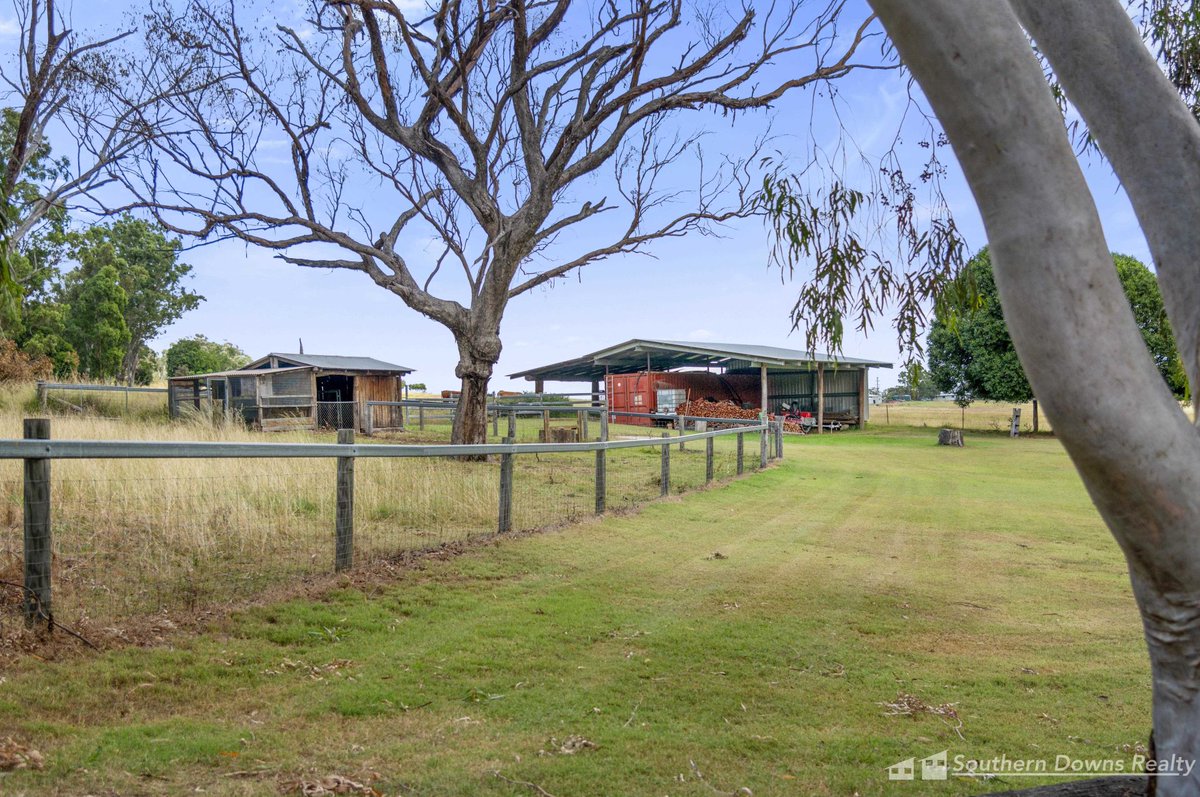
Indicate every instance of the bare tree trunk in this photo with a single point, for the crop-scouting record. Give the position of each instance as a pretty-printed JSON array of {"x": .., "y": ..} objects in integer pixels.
[
  {"x": 477, "y": 356},
  {"x": 470, "y": 422},
  {"x": 1058, "y": 288},
  {"x": 129, "y": 365}
]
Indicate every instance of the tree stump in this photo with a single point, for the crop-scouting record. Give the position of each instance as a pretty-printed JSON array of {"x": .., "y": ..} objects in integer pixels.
[{"x": 950, "y": 437}]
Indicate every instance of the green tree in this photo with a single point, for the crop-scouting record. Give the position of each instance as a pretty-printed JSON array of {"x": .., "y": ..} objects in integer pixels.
[
  {"x": 149, "y": 367},
  {"x": 44, "y": 333},
  {"x": 972, "y": 356},
  {"x": 1145, "y": 299},
  {"x": 148, "y": 270},
  {"x": 29, "y": 261},
  {"x": 199, "y": 355},
  {"x": 95, "y": 320}
]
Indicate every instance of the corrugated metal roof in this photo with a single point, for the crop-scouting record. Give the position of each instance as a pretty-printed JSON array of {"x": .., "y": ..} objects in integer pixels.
[
  {"x": 240, "y": 372},
  {"x": 335, "y": 362},
  {"x": 664, "y": 355},
  {"x": 762, "y": 354}
]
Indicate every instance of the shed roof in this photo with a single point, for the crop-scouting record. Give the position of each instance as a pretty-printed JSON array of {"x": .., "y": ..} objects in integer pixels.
[
  {"x": 664, "y": 355},
  {"x": 238, "y": 372},
  {"x": 333, "y": 362}
]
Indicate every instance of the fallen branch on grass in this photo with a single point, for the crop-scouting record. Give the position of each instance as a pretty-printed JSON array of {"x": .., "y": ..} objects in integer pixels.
[
  {"x": 524, "y": 783},
  {"x": 739, "y": 792},
  {"x": 906, "y": 705},
  {"x": 50, "y": 623}
]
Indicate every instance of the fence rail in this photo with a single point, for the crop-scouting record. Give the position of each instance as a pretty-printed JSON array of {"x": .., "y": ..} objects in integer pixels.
[
  {"x": 614, "y": 473},
  {"x": 103, "y": 388},
  {"x": 100, "y": 400},
  {"x": 119, "y": 449}
]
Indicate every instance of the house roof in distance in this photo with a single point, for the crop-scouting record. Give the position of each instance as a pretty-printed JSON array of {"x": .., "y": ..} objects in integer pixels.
[
  {"x": 331, "y": 362},
  {"x": 664, "y": 355}
]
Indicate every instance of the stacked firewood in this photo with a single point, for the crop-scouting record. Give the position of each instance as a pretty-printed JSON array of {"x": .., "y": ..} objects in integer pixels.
[
  {"x": 716, "y": 409},
  {"x": 727, "y": 409}
]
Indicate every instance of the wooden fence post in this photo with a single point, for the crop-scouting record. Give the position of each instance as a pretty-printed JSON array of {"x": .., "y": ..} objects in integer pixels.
[
  {"x": 601, "y": 481},
  {"x": 681, "y": 425},
  {"x": 741, "y": 453},
  {"x": 496, "y": 423},
  {"x": 42, "y": 395},
  {"x": 665, "y": 477},
  {"x": 38, "y": 552},
  {"x": 708, "y": 460},
  {"x": 604, "y": 428},
  {"x": 421, "y": 417},
  {"x": 1016, "y": 423},
  {"x": 369, "y": 424},
  {"x": 779, "y": 438},
  {"x": 343, "y": 558},
  {"x": 583, "y": 425},
  {"x": 512, "y": 425},
  {"x": 762, "y": 444},
  {"x": 506, "y": 489}
]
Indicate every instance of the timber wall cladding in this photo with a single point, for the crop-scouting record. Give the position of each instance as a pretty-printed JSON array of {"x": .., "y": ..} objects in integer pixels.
[{"x": 379, "y": 388}]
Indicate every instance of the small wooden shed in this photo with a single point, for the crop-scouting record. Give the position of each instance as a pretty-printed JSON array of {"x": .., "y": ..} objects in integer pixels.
[{"x": 283, "y": 392}]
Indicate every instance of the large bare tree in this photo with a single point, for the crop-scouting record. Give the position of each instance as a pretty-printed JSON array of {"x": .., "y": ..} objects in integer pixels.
[
  {"x": 456, "y": 155},
  {"x": 1136, "y": 450}
]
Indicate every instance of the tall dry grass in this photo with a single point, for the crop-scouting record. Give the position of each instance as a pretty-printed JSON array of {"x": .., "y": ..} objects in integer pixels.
[
  {"x": 982, "y": 416},
  {"x": 133, "y": 536}
]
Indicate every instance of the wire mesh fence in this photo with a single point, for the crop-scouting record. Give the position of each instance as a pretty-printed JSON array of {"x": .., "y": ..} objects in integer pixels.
[
  {"x": 136, "y": 536},
  {"x": 102, "y": 401},
  {"x": 337, "y": 414}
]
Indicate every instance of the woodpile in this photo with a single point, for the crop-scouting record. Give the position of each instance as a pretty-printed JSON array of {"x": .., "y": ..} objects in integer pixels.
[
  {"x": 716, "y": 409},
  {"x": 727, "y": 409}
]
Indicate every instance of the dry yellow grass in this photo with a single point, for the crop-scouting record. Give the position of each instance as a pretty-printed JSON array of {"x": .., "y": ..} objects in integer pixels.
[
  {"x": 132, "y": 535},
  {"x": 993, "y": 416},
  {"x": 980, "y": 415}
]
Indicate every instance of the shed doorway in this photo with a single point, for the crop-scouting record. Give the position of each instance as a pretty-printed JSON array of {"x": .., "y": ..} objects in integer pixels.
[{"x": 335, "y": 401}]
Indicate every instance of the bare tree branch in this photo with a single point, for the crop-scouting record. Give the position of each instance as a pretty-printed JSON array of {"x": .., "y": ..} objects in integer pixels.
[{"x": 467, "y": 134}]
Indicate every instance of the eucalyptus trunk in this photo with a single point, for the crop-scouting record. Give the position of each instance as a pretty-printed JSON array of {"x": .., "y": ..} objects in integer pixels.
[
  {"x": 478, "y": 352},
  {"x": 1135, "y": 450}
]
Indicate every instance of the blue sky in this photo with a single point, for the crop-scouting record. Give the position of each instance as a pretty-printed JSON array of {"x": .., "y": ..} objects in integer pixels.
[{"x": 697, "y": 288}]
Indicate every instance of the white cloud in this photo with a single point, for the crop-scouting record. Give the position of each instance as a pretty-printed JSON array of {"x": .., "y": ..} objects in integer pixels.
[{"x": 9, "y": 27}]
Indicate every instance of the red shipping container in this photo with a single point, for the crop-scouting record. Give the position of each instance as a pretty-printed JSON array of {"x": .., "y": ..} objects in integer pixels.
[{"x": 639, "y": 392}]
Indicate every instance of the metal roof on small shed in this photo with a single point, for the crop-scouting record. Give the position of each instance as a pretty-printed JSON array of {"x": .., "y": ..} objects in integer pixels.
[
  {"x": 238, "y": 372},
  {"x": 333, "y": 362},
  {"x": 664, "y": 355}
]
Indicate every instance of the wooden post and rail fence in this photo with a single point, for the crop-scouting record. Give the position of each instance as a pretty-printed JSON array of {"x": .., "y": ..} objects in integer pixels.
[{"x": 38, "y": 450}]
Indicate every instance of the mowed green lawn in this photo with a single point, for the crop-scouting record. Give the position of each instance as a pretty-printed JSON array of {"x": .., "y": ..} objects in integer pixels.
[{"x": 744, "y": 637}]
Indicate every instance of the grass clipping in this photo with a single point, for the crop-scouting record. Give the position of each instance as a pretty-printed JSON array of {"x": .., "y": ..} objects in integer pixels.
[{"x": 906, "y": 705}]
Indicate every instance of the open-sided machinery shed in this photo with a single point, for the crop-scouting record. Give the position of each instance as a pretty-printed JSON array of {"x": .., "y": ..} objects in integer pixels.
[
  {"x": 296, "y": 391},
  {"x": 647, "y": 376}
]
